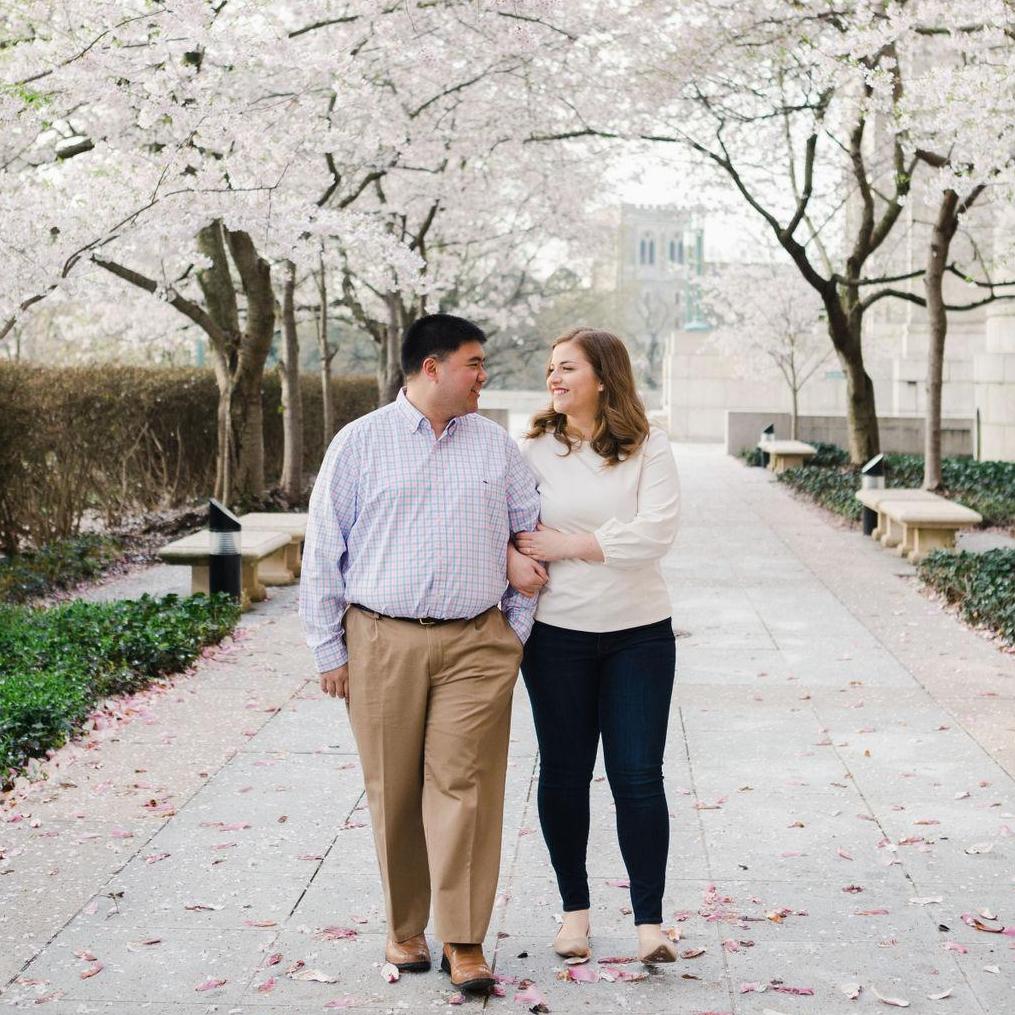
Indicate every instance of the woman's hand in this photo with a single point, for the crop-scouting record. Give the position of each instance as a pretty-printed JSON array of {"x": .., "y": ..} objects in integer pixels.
[
  {"x": 525, "y": 575},
  {"x": 552, "y": 544}
]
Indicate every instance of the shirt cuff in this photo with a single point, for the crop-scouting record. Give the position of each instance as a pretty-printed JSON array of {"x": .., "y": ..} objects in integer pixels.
[
  {"x": 602, "y": 539},
  {"x": 331, "y": 656},
  {"x": 521, "y": 621}
]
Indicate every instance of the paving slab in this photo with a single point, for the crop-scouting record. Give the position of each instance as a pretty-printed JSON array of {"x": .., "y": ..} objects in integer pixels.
[{"x": 839, "y": 775}]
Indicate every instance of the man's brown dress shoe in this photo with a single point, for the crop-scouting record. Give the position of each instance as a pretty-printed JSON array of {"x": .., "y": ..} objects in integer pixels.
[
  {"x": 409, "y": 956},
  {"x": 467, "y": 967}
]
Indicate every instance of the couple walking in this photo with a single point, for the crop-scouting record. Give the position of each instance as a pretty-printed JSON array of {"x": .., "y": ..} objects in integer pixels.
[{"x": 439, "y": 557}]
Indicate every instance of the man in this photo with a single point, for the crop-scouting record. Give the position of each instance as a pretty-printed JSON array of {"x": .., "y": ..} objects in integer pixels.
[{"x": 406, "y": 549}]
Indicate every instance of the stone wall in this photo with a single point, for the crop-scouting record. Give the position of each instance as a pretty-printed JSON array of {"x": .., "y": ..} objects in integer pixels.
[
  {"x": 994, "y": 386},
  {"x": 902, "y": 434}
]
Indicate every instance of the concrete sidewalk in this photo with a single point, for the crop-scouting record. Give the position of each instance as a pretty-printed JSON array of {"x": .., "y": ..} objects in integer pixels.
[{"x": 840, "y": 774}]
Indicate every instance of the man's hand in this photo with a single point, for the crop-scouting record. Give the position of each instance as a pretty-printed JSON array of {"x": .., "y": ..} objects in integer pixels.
[
  {"x": 525, "y": 575},
  {"x": 335, "y": 683}
]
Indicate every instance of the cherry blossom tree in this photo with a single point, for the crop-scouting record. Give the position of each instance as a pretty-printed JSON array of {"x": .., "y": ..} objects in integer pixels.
[
  {"x": 766, "y": 317},
  {"x": 795, "y": 108},
  {"x": 505, "y": 220},
  {"x": 957, "y": 120},
  {"x": 195, "y": 151}
]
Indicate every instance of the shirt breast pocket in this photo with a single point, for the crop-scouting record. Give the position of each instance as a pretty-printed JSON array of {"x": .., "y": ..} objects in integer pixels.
[{"x": 492, "y": 498}]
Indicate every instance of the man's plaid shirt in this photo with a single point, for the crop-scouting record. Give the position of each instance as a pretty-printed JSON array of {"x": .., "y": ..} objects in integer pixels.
[{"x": 413, "y": 526}]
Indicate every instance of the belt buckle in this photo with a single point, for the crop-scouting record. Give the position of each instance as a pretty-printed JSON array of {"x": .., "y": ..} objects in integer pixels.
[{"x": 426, "y": 621}]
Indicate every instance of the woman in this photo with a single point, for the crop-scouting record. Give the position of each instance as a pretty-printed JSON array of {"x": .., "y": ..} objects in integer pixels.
[{"x": 600, "y": 660}]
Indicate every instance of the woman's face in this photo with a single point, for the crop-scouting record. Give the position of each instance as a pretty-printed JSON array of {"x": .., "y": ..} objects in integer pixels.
[{"x": 572, "y": 382}]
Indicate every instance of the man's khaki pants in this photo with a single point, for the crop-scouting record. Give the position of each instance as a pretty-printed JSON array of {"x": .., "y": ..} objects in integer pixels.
[{"x": 430, "y": 708}]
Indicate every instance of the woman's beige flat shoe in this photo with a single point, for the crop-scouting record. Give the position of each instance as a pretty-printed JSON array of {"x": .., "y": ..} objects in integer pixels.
[
  {"x": 572, "y": 946},
  {"x": 656, "y": 948}
]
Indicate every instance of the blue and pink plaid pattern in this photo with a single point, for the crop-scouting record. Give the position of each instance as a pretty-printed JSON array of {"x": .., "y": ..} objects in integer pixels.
[{"x": 412, "y": 526}]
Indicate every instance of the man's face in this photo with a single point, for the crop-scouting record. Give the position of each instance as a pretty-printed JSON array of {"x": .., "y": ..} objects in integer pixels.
[{"x": 460, "y": 376}]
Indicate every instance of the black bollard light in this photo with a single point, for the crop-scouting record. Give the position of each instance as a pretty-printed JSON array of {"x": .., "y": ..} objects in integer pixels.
[
  {"x": 872, "y": 477},
  {"x": 225, "y": 571},
  {"x": 768, "y": 434}
]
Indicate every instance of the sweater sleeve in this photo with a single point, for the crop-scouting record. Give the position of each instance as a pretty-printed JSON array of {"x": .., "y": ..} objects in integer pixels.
[{"x": 650, "y": 534}]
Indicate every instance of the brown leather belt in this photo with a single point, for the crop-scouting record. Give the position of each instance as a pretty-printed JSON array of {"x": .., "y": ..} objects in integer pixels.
[{"x": 425, "y": 621}]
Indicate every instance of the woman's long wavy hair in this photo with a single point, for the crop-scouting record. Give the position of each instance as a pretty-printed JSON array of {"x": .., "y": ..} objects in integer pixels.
[{"x": 621, "y": 424}]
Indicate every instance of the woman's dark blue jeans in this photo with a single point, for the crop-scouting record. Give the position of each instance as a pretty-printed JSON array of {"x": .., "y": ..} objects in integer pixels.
[{"x": 617, "y": 684}]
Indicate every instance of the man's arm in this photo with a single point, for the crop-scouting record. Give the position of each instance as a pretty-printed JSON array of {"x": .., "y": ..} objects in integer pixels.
[
  {"x": 332, "y": 513},
  {"x": 523, "y": 515}
]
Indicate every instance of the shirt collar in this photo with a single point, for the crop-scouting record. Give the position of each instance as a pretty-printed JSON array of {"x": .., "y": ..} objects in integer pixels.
[
  {"x": 411, "y": 414},
  {"x": 414, "y": 418}
]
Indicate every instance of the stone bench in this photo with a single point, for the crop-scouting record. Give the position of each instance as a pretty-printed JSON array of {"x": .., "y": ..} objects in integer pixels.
[
  {"x": 928, "y": 525},
  {"x": 292, "y": 523},
  {"x": 783, "y": 455},
  {"x": 257, "y": 549},
  {"x": 887, "y": 533}
]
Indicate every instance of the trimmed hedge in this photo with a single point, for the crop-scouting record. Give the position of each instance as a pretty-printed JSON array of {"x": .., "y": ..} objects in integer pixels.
[
  {"x": 57, "y": 565},
  {"x": 981, "y": 584},
  {"x": 986, "y": 487},
  {"x": 123, "y": 440},
  {"x": 832, "y": 488},
  {"x": 55, "y": 664}
]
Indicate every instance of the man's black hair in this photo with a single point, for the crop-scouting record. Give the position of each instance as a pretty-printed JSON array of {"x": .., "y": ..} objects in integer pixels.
[{"x": 436, "y": 335}]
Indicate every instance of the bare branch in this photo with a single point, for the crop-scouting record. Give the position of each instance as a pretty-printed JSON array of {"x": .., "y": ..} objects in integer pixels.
[
  {"x": 538, "y": 21},
  {"x": 77, "y": 56},
  {"x": 323, "y": 24},
  {"x": 186, "y": 307}
]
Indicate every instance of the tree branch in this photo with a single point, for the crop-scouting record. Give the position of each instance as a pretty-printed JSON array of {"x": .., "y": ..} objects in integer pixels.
[{"x": 186, "y": 307}]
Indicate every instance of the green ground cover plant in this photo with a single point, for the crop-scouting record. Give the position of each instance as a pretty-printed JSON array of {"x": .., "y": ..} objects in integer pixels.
[
  {"x": 982, "y": 585},
  {"x": 986, "y": 487},
  {"x": 57, "y": 663},
  {"x": 57, "y": 565}
]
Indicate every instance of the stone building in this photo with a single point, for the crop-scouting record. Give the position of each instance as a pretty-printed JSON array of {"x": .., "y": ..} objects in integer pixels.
[
  {"x": 701, "y": 386},
  {"x": 658, "y": 251}
]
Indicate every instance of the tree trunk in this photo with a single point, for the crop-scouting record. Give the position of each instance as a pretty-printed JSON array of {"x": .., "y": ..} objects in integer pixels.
[
  {"x": 238, "y": 354},
  {"x": 794, "y": 420},
  {"x": 389, "y": 365},
  {"x": 937, "y": 257},
  {"x": 326, "y": 356},
  {"x": 292, "y": 401},
  {"x": 844, "y": 329},
  {"x": 248, "y": 433},
  {"x": 225, "y": 465},
  {"x": 247, "y": 414},
  {"x": 861, "y": 413}
]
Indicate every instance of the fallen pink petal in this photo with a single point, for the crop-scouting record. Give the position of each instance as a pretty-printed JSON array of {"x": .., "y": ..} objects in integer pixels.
[
  {"x": 582, "y": 974},
  {"x": 211, "y": 984},
  {"x": 530, "y": 995}
]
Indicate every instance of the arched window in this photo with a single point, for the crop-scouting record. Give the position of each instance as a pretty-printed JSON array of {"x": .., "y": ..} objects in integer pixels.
[
  {"x": 676, "y": 251},
  {"x": 643, "y": 251},
  {"x": 651, "y": 251}
]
